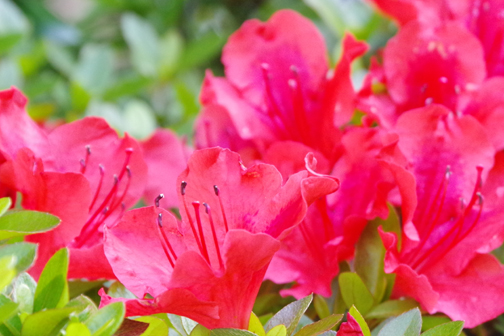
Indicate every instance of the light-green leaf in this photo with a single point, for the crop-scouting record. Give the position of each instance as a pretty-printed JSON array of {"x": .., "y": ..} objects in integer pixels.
[
  {"x": 24, "y": 253},
  {"x": 46, "y": 323},
  {"x": 5, "y": 204},
  {"x": 7, "y": 308},
  {"x": 52, "y": 288},
  {"x": 446, "y": 329},
  {"x": 8, "y": 270},
  {"x": 256, "y": 326},
  {"x": 106, "y": 320},
  {"x": 21, "y": 223},
  {"x": 360, "y": 320},
  {"x": 407, "y": 324},
  {"x": 355, "y": 292},
  {"x": 156, "y": 326},
  {"x": 279, "y": 330},
  {"x": 77, "y": 329},
  {"x": 290, "y": 315},
  {"x": 229, "y": 332},
  {"x": 320, "y": 326}
]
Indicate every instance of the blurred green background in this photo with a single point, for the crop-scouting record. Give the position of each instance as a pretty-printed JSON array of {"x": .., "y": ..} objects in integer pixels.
[{"x": 140, "y": 63}]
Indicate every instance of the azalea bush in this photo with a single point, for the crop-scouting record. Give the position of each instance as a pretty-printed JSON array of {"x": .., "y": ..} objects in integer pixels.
[{"x": 211, "y": 168}]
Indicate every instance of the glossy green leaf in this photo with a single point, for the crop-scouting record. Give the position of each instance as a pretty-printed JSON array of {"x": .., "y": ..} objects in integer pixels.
[
  {"x": 5, "y": 204},
  {"x": 84, "y": 307},
  {"x": 256, "y": 326},
  {"x": 229, "y": 332},
  {"x": 407, "y": 324},
  {"x": 290, "y": 315},
  {"x": 21, "y": 223},
  {"x": 143, "y": 42},
  {"x": 447, "y": 329},
  {"x": 52, "y": 288},
  {"x": 77, "y": 329},
  {"x": 391, "y": 308},
  {"x": 24, "y": 292},
  {"x": 355, "y": 292},
  {"x": 320, "y": 326},
  {"x": 279, "y": 330},
  {"x": 107, "y": 320},
  {"x": 156, "y": 326},
  {"x": 24, "y": 253},
  {"x": 46, "y": 322},
  {"x": 431, "y": 321},
  {"x": 360, "y": 320},
  {"x": 7, "y": 308}
]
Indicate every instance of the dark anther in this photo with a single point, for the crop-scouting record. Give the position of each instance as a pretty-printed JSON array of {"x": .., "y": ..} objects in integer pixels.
[
  {"x": 158, "y": 198},
  {"x": 207, "y": 207},
  {"x": 128, "y": 170},
  {"x": 88, "y": 149},
  {"x": 102, "y": 169},
  {"x": 160, "y": 220},
  {"x": 116, "y": 179},
  {"x": 216, "y": 190},
  {"x": 83, "y": 163},
  {"x": 183, "y": 185}
]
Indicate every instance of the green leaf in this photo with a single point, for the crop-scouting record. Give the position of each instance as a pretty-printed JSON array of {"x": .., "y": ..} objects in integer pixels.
[
  {"x": 77, "y": 329},
  {"x": 279, "y": 330},
  {"x": 24, "y": 253},
  {"x": 94, "y": 69},
  {"x": 289, "y": 315},
  {"x": 139, "y": 119},
  {"x": 446, "y": 329},
  {"x": 106, "y": 320},
  {"x": 7, "y": 308},
  {"x": 143, "y": 42},
  {"x": 200, "y": 330},
  {"x": 431, "y": 321},
  {"x": 85, "y": 307},
  {"x": 360, "y": 320},
  {"x": 407, "y": 324},
  {"x": 46, "y": 322},
  {"x": 391, "y": 308},
  {"x": 370, "y": 253},
  {"x": 321, "y": 306},
  {"x": 24, "y": 292},
  {"x": 156, "y": 326},
  {"x": 255, "y": 325},
  {"x": 52, "y": 288},
  {"x": 229, "y": 332},
  {"x": 12, "y": 20},
  {"x": 5, "y": 204},
  {"x": 8, "y": 270},
  {"x": 21, "y": 223},
  {"x": 320, "y": 326},
  {"x": 355, "y": 292}
]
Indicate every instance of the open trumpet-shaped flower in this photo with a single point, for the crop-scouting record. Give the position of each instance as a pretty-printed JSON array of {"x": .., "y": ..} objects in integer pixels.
[
  {"x": 209, "y": 266},
  {"x": 448, "y": 226},
  {"x": 81, "y": 172},
  {"x": 278, "y": 88}
]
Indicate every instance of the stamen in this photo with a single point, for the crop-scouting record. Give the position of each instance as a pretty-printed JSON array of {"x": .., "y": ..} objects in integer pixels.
[
  {"x": 217, "y": 192},
  {"x": 214, "y": 234},
  {"x": 204, "y": 251},
  {"x": 84, "y": 162},
  {"x": 183, "y": 186},
  {"x": 165, "y": 243},
  {"x": 158, "y": 198}
]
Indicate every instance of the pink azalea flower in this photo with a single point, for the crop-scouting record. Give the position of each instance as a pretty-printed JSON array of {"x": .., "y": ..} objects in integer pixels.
[
  {"x": 209, "y": 266},
  {"x": 452, "y": 213},
  {"x": 311, "y": 253},
  {"x": 81, "y": 172},
  {"x": 278, "y": 88}
]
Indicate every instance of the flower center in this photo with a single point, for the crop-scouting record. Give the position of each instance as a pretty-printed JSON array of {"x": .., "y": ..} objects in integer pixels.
[{"x": 113, "y": 200}]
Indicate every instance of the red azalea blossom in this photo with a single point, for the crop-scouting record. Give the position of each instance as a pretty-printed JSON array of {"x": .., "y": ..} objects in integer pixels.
[
  {"x": 448, "y": 225},
  {"x": 278, "y": 88},
  {"x": 311, "y": 253},
  {"x": 350, "y": 328},
  {"x": 81, "y": 172},
  {"x": 215, "y": 259}
]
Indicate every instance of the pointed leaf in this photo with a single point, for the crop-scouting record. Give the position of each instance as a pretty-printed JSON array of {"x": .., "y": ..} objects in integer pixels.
[
  {"x": 391, "y": 308},
  {"x": 21, "y": 223},
  {"x": 106, "y": 320},
  {"x": 5, "y": 204},
  {"x": 7, "y": 308},
  {"x": 52, "y": 288},
  {"x": 47, "y": 322},
  {"x": 200, "y": 330},
  {"x": 230, "y": 332},
  {"x": 24, "y": 253},
  {"x": 156, "y": 326},
  {"x": 77, "y": 329},
  {"x": 355, "y": 292},
  {"x": 446, "y": 329},
  {"x": 321, "y": 306},
  {"x": 407, "y": 324},
  {"x": 320, "y": 326},
  {"x": 289, "y": 315},
  {"x": 362, "y": 323},
  {"x": 8, "y": 269},
  {"x": 256, "y": 326}
]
